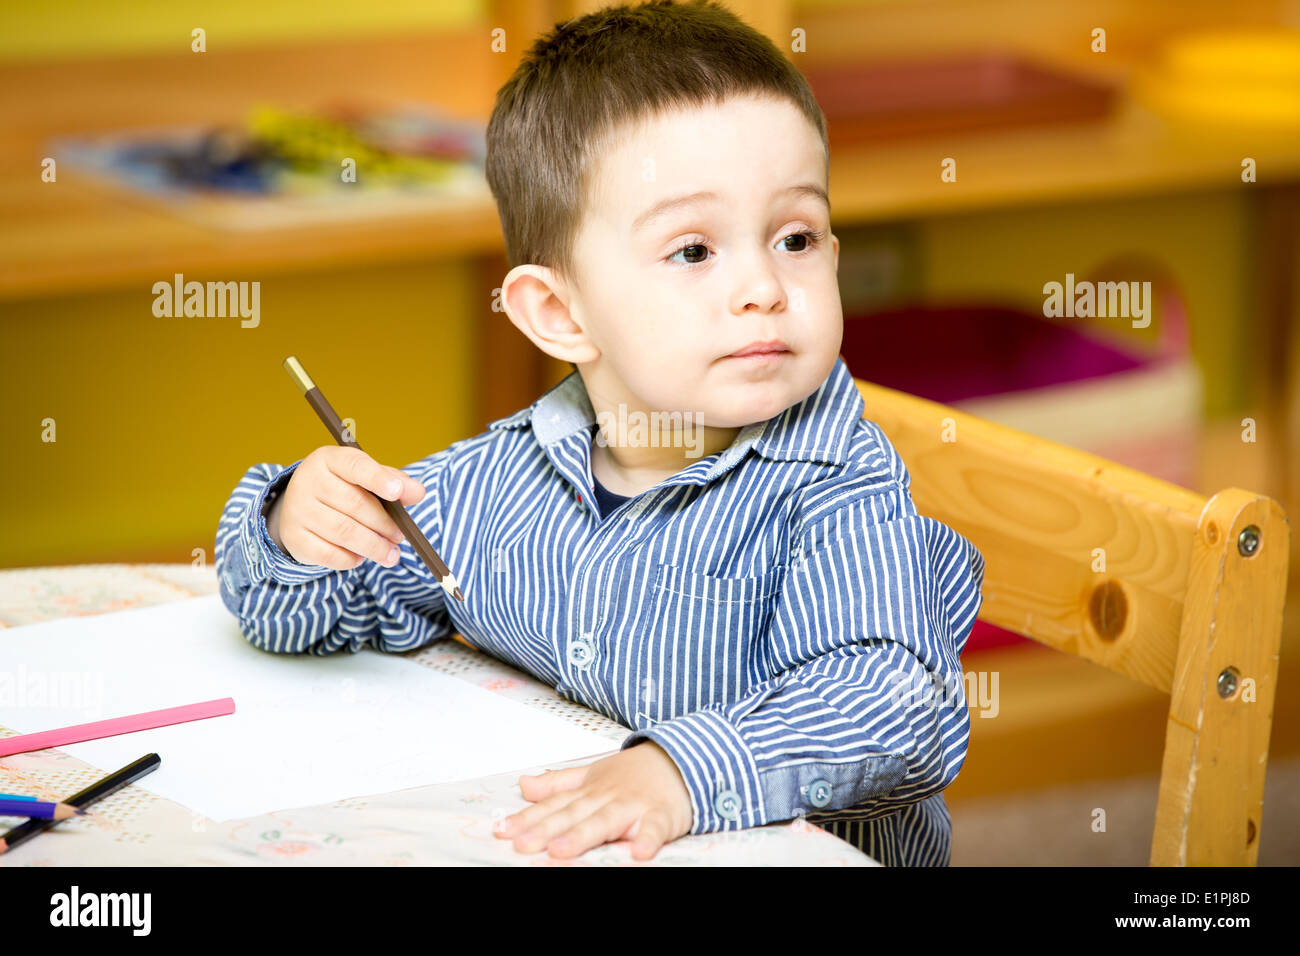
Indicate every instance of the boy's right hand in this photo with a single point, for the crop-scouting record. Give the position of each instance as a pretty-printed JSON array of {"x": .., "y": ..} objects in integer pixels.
[{"x": 329, "y": 515}]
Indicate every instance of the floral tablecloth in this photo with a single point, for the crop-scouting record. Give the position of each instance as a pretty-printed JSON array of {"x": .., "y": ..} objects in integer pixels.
[{"x": 447, "y": 824}]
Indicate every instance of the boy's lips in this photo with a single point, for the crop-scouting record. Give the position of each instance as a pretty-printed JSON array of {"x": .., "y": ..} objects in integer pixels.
[{"x": 772, "y": 347}]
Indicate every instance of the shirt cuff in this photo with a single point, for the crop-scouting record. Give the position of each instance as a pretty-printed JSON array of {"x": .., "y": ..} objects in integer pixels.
[
  {"x": 718, "y": 769},
  {"x": 264, "y": 559},
  {"x": 728, "y": 792}
]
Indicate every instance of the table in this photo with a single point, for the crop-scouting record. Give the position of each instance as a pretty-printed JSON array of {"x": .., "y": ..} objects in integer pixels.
[{"x": 446, "y": 824}]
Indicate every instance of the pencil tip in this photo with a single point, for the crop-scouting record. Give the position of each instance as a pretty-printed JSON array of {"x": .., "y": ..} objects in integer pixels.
[{"x": 459, "y": 596}]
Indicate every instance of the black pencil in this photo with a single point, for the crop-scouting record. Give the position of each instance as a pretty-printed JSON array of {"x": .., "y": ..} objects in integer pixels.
[
  {"x": 441, "y": 573},
  {"x": 95, "y": 792}
]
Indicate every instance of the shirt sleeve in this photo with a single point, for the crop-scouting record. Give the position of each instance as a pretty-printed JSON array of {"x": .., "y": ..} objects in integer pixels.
[
  {"x": 868, "y": 708},
  {"x": 290, "y": 608}
]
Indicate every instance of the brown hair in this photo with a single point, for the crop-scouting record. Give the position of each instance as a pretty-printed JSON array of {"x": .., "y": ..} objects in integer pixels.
[{"x": 583, "y": 81}]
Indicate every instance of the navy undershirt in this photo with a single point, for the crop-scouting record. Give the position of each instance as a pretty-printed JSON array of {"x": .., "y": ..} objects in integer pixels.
[{"x": 606, "y": 500}]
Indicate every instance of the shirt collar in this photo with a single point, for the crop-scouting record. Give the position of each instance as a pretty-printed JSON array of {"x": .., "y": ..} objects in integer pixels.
[{"x": 819, "y": 428}]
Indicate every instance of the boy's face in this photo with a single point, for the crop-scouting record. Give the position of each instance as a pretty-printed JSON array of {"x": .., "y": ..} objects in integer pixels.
[{"x": 667, "y": 298}]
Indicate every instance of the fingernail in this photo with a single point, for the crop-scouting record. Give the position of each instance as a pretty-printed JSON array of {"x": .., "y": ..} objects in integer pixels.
[
  {"x": 392, "y": 555},
  {"x": 394, "y": 487}
]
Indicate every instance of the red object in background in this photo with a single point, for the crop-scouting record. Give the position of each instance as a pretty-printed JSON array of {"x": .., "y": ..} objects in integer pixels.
[
  {"x": 878, "y": 101},
  {"x": 985, "y": 637},
  {"x": 973, "y": 351}
]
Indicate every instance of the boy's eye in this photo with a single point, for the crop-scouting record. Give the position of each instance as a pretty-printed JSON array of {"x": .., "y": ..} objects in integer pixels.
[
  {"x": 811, "y": 239},
  {"x": 696, "y": 252}
]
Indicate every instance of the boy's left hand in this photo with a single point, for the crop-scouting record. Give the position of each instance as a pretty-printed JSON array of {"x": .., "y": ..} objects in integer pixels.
[{"x": 636, "y": 794}]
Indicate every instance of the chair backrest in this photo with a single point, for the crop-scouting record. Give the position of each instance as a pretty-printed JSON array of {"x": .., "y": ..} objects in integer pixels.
[{"x": 1150, "y": 580}]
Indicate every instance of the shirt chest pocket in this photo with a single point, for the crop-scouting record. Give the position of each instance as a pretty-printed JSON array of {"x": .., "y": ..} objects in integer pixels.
[{"x": 704, "y": 640}]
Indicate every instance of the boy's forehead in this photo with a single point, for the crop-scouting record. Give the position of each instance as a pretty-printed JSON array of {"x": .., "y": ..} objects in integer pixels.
[
  {"x": 666, "y": 207},
  {"x": 741, "y": 147}
]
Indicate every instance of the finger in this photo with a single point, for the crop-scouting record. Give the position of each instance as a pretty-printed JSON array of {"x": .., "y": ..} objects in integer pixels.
[
  {"x": 360, "y": 504},
  {"x": 605, "y": 825},
  {"x": 307, "y": 547},
  {"x": 356, "y": 467},
  {"x": 540, "y": 786},
  {"x": 651, "y": 835},
  {"x": 521, "y": 822},
  {"x": 540, "y": 834},
  {"x": 344, "y": 531},
  {"x": 413, "y": 493}
]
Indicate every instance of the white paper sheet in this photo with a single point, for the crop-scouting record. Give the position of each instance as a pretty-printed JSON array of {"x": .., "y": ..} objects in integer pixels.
[{"x": 306, "y": 730}]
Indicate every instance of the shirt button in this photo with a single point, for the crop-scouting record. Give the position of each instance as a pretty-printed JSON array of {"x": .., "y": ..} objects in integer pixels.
[
  {"x": 582, "y": 651},
  {"x": 819, "y": 792},
  {"x": 727, "y": 803}
]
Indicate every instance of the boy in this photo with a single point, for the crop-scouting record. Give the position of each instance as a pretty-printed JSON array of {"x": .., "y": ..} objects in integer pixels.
[{"x": 746, "y": 583}]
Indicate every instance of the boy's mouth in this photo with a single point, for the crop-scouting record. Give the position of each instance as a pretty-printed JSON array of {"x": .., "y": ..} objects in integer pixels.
[{"x": 762, "y": 350}]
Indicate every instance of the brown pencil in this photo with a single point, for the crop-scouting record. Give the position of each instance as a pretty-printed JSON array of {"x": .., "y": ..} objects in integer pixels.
[{"x": 394, "y": 508}]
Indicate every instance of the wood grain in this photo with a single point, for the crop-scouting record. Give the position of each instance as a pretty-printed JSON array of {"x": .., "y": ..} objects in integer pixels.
[
  {"x": 1216, "y": 747},
  {"x": 1180, "y": 601},
  {"x": 1038, "y": 511}
]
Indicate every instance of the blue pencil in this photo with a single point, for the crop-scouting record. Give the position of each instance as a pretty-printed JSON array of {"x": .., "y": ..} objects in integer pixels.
[
  {"x": 43, "y": 809},
  {"x": 16, "y": 796}
]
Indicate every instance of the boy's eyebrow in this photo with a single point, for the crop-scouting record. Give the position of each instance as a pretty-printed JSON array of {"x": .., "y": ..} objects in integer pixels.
[{"x": 665, "y": 206}]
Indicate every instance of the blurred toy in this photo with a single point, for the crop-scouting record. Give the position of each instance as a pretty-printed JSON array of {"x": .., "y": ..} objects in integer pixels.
[{"x": 291, "y": 167}]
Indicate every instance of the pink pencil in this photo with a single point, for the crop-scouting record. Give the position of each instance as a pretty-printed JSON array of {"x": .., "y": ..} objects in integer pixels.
[{"x": 25, "y": 743}]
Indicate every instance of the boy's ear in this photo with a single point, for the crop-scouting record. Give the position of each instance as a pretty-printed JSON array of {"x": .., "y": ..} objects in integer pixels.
[
  {"x": 835, "y": 244},
  {"x": 537, "y": 301}
]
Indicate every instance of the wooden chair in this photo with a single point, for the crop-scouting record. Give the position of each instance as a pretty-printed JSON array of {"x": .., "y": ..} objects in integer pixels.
[{"x": 1150, "y": 580}]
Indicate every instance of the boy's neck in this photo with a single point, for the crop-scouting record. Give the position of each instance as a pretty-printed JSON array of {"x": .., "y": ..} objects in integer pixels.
[{"x": 631, "y": 469}]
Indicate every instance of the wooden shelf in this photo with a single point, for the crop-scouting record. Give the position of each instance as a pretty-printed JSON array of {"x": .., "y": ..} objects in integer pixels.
[
  {"x": 81, "y": 238},
  {"x": 76, "y": 236},
  {"x": 1131, "y": 153}
]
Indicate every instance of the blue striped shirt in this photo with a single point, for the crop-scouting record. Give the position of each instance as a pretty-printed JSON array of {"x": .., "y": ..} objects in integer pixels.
[{"x": 776, "y": 616}]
